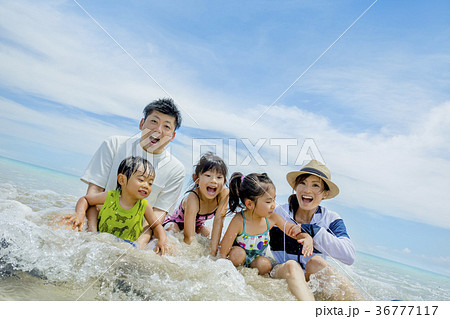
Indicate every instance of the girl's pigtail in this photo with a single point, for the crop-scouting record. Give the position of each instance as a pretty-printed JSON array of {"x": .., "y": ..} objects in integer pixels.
[
  {"x": 243, "y": 187},
  {"x": 235, "y": 184}
]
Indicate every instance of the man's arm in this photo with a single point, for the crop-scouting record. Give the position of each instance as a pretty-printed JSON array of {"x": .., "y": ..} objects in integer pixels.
[
  {"x": 92, "y": 188},
  {"x": 92, "y": 211},
  {"x": 97, "y": 173}
]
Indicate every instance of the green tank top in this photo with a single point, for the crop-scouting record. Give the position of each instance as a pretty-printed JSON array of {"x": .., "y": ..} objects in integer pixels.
[{"x": 123, "y": 223}]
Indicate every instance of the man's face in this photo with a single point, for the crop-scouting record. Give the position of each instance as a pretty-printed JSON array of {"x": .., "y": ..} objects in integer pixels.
[{"x": 158, "y": 130}]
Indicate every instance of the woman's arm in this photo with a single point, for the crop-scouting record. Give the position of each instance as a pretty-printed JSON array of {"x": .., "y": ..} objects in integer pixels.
[
  {"x": 334, "y": 241},
  {"x": 221, "y": 212},
  {"x": 233, "y": 230}
]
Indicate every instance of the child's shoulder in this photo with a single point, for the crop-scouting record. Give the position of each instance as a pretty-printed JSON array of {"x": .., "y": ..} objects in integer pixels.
[
  {"x": 237, "y": 222},
  {"x": 224, "y": 193},
  {"x": 191, "y": 194},
  {"x": 112, "y": 194},
  {"x": 191, "y": 198},
  {"x": 237, "y": 216}
]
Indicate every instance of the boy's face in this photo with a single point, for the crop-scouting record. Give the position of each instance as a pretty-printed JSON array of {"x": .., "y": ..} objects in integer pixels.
[
  {"x": 158, "y": 130},
  {"x": 139, "y": 185}
]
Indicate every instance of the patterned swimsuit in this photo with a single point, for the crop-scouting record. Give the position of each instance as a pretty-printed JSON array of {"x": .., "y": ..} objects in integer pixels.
[
  {"x": 178, "y": 215},
  {"x": 254, "y": 245}
]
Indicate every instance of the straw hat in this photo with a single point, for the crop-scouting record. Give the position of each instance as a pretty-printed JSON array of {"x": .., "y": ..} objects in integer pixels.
[{"x": 318, "y": 169}]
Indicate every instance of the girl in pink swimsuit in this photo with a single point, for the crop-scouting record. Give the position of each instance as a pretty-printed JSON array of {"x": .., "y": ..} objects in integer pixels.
[{"x": 208, "y": 199}]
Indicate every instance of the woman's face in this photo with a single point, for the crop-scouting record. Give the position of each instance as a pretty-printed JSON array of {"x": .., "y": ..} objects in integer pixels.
[{"x": 310, "y": 193}]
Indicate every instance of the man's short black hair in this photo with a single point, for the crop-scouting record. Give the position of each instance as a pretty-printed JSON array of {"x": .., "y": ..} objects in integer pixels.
[{"x": 166, "y": 106}]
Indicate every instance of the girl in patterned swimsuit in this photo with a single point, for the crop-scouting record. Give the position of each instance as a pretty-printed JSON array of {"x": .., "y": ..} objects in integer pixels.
[
  {"x": 247, "y": 237},
  {"x": 123, "y": 209},
  {"x": 208, "y": 199}
]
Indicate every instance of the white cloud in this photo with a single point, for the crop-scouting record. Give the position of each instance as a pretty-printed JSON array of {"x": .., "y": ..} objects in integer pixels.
[
  {"x": 399, "y": 175},
  {"x": 55, "y": 130},
  {"x": 406, "y": 250},
  {"x": 66, "y": 58},
  {"x": 63, "y": 57},
  {"x": 388, "y": 90}
]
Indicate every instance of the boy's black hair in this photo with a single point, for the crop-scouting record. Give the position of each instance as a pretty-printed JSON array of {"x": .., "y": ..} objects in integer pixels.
[
  {"x": 166, "y": 106},
  {"x": 130, "y": 165},
  {"x": 251, "y": 187}
]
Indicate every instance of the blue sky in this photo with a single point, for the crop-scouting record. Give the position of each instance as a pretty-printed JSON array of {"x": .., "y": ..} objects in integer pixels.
[{"x": 376, "y": 104}]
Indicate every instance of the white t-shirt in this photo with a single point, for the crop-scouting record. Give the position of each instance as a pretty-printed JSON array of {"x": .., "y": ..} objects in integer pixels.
[{"x": 169, "y": 172}]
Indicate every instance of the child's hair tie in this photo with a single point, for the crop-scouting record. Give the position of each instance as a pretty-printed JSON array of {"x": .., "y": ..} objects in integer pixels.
[{"x": 242, "y": 177}]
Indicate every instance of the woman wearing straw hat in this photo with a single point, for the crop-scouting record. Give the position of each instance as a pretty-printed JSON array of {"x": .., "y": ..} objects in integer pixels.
[{"x": 312, "y": 183}]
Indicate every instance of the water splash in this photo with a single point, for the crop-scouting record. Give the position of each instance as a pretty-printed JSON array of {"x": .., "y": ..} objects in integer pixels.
[
  {"x": 102, "y": 267},
  {"x": 39, "y": 261}
]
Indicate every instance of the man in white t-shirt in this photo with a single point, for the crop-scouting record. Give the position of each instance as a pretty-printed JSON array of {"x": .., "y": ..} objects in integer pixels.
[{"x": 161, "y": 119}]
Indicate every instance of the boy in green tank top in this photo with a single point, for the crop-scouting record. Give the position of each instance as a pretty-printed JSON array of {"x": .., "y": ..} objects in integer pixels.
[{"x": 124, "y": 208}]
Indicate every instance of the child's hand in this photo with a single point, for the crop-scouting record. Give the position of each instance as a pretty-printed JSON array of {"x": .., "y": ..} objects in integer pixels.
[
  {"x": 76, "y": 221},
  {"x": 308, "y": 244},
  {"x": 213, "y": 251},
  {"x": 295, "y": 231},
  {"x": 161, "y": 247}
]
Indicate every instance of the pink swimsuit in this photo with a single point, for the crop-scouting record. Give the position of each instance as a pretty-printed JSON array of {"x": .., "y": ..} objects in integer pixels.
[{"x": 178, "y": 215}]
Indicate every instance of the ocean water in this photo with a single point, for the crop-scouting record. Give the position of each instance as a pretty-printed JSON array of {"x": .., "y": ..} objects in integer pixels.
[{"x": 41, "y": 261}]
